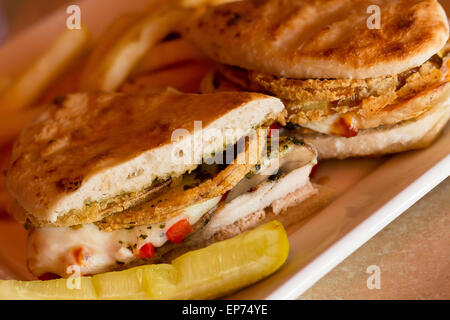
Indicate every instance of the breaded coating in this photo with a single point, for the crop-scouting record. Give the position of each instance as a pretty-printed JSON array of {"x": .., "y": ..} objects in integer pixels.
[{"x": 172, "y": 202}]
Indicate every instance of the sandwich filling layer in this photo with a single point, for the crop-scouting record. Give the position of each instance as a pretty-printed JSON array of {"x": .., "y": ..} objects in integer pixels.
[{"x": 93, "y": 250}]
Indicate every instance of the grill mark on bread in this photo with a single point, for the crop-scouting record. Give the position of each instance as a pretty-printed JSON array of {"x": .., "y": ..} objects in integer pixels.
[{"x": 323, "y": 38}]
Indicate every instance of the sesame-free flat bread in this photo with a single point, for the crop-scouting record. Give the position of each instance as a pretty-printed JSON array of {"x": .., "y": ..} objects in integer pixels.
[{"x": 305, "y": 39}]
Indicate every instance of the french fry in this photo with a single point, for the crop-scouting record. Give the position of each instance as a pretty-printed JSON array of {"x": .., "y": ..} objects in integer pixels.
[
  {"x": 4, "y": 83},
  {"x": 11, "y": 126},
  {"x": 168, "y": 53},
  {"x": 199, "y": 3},
  {"x": 207, "y": 83},
  {"x": 184, "y": 77},
  {"x": 5, "y": 198},
  {"x": 24, "y": 91},
  {"x": 107, "y": 41},
  {"x": 132, "y": 46}
]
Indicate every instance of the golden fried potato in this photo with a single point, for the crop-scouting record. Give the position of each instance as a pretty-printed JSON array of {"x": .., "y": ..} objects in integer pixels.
[
  {"x": 185, "y": 77},
  {"x": 11, "y": 126},
  {"x": 67, "y": 83},
  {"x": 367, "y": 100},
  {"x": 199, "y": 3}
]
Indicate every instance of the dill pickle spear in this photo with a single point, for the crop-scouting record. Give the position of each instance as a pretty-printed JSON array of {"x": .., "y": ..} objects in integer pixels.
[
  {"x": 207, "y": 273},
  {"x": 226, "y": 266}
]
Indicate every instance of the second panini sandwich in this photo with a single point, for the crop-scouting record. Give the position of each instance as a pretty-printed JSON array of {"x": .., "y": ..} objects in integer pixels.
[{"x": 358, "y": 77}]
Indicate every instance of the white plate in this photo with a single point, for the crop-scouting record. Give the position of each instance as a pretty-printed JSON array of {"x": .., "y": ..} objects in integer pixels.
[{"x": 370, "y": 193}]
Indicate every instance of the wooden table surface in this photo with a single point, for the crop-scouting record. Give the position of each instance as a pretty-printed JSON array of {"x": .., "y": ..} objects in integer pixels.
[{"x": 412, "y": 253}]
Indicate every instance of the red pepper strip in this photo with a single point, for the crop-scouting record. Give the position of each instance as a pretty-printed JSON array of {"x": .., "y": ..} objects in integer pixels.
[
  {"x": 146, "y": 251},
  {"x": 179, "y": 231}
]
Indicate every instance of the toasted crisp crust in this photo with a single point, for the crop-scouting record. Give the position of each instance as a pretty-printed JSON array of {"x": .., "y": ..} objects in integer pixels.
[
  {"x": 306, "y": 39},
  {"x": 407, "y": 135},
  {"x": 95, "y": 147}
]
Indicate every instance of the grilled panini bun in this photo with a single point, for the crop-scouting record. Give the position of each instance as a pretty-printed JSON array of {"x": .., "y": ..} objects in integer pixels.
[
  {"x": 90, "y": 155},
  {"x": 407, "y": 135},
  {"x": 305, "y": 39}
]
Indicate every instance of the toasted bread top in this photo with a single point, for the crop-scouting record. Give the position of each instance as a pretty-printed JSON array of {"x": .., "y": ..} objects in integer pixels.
[
  {"x": 306, "y": 39},
  {"x": 90, "y": 147}
]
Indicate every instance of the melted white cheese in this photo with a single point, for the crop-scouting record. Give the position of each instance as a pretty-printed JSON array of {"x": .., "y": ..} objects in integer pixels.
[{"x": 52, "y": 249}]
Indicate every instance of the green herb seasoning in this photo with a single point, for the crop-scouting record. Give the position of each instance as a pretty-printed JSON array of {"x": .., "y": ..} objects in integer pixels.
[{"x": 295, "y": 141}]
